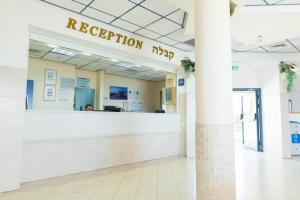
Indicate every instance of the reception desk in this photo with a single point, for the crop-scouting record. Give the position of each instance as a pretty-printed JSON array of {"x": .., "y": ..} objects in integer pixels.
[{"x": 61, "y": 143}]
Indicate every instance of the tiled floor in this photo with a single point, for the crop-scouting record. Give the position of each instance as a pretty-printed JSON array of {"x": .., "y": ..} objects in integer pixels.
[
  {"x": 258, "y": 178},
  {"x": 261, "y": 177},
  {"x": 167, "y": 179}
]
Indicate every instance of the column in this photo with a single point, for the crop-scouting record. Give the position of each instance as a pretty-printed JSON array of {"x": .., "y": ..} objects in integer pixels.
[
  {"x": 99, "y": 90},
  {"x": 13, "y": 72},
  {"x": 215, "y": 166},
  {"x": 285, "y": 140}
]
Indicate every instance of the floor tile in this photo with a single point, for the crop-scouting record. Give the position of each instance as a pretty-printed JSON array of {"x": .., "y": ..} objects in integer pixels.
[{"x": 259, "y": 177}]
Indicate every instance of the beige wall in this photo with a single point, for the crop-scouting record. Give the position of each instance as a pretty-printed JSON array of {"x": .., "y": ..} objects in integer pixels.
[
  {"x": 149, "y": 91},
  {"x": 87, "y": 74},
  {"x": 36, "y": 72}
]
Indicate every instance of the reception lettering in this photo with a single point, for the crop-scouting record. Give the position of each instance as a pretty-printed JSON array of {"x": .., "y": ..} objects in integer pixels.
[
  {"x": 104, "y": 33},
  {"x": 109, "y": 35},
  {"x": 163, "y": 52}
]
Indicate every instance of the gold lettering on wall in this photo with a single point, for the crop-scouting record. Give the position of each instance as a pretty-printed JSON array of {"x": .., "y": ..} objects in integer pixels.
[
  {"x": 109, "y": 35},
  {"x": 94, "y": 30},
  {"x": 72, "y": 23},
  {"x": 163, "y": 52},
  {"x": 84, "y": 27}
]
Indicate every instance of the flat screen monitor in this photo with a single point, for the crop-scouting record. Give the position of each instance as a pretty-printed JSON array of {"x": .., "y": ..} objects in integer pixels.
[{"x": 118, "y": 93}]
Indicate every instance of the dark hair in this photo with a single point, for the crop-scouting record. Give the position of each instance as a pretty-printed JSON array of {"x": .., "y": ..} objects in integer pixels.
[{"x": 88, "y": 105}]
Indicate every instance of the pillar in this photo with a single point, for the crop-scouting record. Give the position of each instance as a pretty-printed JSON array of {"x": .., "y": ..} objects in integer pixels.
[
  {"x": 14, "y": 41},
  {"x": 99, "y": 90},
  {"x": 215, "y": 166}
]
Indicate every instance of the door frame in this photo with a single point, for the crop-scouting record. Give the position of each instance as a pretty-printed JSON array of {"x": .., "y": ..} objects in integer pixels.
[{"x": 260, "y": 142}]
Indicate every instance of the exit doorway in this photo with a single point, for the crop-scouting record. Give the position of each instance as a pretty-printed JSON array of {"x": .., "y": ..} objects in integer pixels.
[{"x": 247, "y": 114}]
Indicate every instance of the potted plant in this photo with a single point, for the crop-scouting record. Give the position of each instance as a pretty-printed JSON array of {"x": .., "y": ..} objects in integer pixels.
[
  {"x": 288, "y": 72},
  {"x": 232, "y": 7},
  {"x": 188, "y": 65}
]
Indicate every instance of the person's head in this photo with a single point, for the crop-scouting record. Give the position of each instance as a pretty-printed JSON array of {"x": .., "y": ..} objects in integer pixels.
[{"x": 88, "y": 107}]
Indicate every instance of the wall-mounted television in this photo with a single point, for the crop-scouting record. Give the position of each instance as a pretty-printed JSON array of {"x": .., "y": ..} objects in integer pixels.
[{"x": 118, "y": 93}]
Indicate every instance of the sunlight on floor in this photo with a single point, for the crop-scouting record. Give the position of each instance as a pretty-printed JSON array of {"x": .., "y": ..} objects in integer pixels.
[
  {"x": 166, "y": 179},
  {"x": 258, "y": 178}
]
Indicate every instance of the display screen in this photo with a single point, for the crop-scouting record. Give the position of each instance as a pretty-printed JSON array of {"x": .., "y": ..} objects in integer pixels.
[{"x": 118, "y": 93}]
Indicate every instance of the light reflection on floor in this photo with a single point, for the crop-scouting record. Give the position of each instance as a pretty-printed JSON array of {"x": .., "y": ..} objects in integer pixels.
[{"x": 258, "y": 178}]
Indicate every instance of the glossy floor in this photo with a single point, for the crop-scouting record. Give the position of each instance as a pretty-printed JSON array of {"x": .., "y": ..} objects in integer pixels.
[
  {"x": 258, "y": 178},
  {"x": 261, "y": 177},
  {"x": 166, "y": 179}
]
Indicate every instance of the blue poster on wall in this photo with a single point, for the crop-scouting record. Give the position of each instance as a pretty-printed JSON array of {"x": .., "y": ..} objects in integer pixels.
[
  {"x": 83, "y": 82},
  {"x": 295, "y": 138},
  {"x": 118, "y": 93},
  {"x": 29, "y": 94}
]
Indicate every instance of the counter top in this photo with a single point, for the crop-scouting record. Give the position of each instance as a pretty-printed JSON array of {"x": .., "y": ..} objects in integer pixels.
[
  {"x": 96, "y": 112},
  {"x": 57, "y": 125}
]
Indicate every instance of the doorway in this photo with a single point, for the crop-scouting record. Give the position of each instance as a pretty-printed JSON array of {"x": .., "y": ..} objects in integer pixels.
[{"x": 247, "y": 114}]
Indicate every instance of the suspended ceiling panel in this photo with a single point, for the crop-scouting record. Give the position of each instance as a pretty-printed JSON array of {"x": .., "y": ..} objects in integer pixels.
[
  {"x": 271, "y": 2},
  {"x": 90, "y": 62},
  {"x": 286, "y": 46},
  {"x": 152, "y": 19}
]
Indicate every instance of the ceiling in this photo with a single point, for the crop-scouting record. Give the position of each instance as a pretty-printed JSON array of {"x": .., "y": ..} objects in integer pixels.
[
  {"x": 90, "y": 62},
  {"x": 163, "y": 21},
  {"x": 271, "y": 2},
  {"x": 274, "y": 20},
  {"x": 157, "y": 20},
  {"x": 286, "y": 46}
]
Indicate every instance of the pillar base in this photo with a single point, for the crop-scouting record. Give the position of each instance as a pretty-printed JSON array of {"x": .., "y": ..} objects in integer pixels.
[{"x": 215, "y": 162}]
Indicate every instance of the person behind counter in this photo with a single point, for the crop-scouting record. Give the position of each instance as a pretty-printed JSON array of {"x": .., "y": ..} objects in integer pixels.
[{"x": 88, "y": 107}]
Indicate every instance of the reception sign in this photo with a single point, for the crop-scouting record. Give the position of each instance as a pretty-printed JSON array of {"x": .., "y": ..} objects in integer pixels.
[{"x": 115, "y": 37}]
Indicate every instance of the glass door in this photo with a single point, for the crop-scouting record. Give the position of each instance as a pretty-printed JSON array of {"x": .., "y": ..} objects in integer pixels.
[{"x": 250, "y": 118}]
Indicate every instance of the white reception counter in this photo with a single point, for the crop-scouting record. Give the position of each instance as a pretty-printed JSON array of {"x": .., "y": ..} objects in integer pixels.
[
  {"x": 61, "y": 143},
  {"x": 43, "y": 126}
]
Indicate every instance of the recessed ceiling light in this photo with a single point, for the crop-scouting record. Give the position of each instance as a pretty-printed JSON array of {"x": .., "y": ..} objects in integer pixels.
[
  {"x": 63, "y": 51},
  {"x": 52, "y": 46}
]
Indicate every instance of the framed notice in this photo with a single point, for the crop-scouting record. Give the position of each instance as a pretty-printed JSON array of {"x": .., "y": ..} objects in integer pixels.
[
  {"x": 49, "y": 93},
  {"x": 50, "y": 77},
  {"x": 67, "y": 83},
  {"x": 83, "y": 82},
  {"x": 63, "y": 94}
]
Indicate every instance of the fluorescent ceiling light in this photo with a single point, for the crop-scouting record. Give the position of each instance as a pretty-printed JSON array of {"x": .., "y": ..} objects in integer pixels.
[
  {"x": 63, "y": 51},
  {"x": 137, "y": 65},
  {"x": 114, "y": 60},
  {"x": 86, "y": 54},
  {"x": 52, "y": 46},
  {"x": 127, "y": 65}
]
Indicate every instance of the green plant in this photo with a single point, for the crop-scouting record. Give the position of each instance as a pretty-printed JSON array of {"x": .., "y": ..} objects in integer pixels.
[
  {"x": 188, "y": 65},
  {"x": 232, "y": 7},
  {"x": 289, "y": 70}
]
